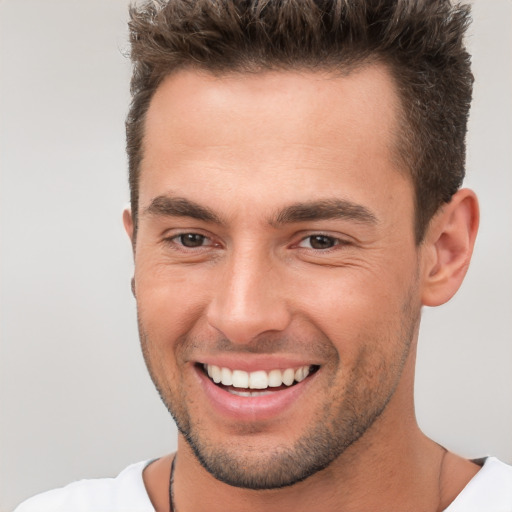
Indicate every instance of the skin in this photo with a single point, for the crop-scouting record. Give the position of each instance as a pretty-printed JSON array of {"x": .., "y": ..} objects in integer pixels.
[{"x": 244, "y": 148}]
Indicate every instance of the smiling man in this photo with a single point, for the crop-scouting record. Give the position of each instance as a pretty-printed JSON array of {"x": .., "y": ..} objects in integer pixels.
[{"x": 295, "y": 173}]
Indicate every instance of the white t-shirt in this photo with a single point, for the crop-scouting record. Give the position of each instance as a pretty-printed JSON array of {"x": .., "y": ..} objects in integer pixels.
[{"x": 490, "y": 490}]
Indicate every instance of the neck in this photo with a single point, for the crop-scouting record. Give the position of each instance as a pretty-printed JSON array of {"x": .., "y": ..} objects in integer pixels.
[{"x": 370, "y": 475}]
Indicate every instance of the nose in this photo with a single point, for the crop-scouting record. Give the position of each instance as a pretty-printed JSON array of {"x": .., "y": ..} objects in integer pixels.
[{"x": 249, "y": 299}]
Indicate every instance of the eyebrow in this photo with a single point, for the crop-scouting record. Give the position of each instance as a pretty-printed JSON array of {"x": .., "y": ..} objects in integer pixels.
[
  {"x": 170, "y": 206},
  {"x": 324, "y": 210}
]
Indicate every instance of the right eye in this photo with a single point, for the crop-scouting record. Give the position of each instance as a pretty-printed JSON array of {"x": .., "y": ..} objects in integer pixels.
[{"x": 191, "y": 240}]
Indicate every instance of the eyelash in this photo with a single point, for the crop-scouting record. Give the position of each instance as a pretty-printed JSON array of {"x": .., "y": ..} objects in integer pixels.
[
  {"x": 336, "y": 242},
  {"x": 177, "y": 241}
]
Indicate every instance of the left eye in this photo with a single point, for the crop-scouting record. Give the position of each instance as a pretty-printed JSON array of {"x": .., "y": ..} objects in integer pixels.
[
  {"x": 191, "y": 240},
  {"x": 319, "y": 242}
]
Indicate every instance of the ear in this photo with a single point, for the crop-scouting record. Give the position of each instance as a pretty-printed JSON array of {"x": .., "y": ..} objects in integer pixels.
[
  {"x": 128, "y": 224},
  {"x": 448, "y": 246}
]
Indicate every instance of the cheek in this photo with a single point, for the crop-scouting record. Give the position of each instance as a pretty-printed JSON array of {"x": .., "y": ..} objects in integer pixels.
[
  {"x": 169, "y": 300},
  {"x": 351, "y": 297},
  {"x": 363, "y": 314}
]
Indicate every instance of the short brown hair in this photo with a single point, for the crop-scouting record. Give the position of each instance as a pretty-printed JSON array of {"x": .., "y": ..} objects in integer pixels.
[{"x": 421, "y": 41}]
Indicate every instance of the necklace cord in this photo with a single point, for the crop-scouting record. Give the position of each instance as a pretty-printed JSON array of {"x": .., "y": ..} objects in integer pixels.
[
  {"x": 440, "y": 478},
  {"x": 172, "y": 507}
]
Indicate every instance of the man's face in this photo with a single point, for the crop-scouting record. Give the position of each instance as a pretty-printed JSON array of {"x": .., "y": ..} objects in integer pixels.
[{"x": 275, "y": 241}]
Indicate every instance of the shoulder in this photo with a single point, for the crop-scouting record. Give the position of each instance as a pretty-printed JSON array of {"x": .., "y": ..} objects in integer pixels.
[
  {"x": 126, "y": 492},
  {"x": 490, "y": 489}
]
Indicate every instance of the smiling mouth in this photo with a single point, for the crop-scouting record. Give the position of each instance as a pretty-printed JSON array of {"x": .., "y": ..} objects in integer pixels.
[{"x": 257, "y": 383}]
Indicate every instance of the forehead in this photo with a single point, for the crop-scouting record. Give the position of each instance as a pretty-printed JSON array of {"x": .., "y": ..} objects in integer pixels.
[
  {"x": 310, "y": 128},
  {"x": 322, "y": 100}
]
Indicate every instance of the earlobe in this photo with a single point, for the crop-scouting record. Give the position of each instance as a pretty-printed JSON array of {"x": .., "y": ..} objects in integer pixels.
[{"x": 448, "y": 247}]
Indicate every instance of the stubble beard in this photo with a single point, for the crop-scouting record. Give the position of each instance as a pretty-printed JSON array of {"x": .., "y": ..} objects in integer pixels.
[{"x": 338, "y": 427}]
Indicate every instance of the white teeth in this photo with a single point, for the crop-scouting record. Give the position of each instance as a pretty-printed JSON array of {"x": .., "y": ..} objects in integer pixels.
[
  {"x": 240, "y": 379},
  {"x": 288, "y": 376},
  {"x": 249, "y": 393},
  {"x": 259, "y": 379},
  {"x": 227, "y": 377},
  {"x": 216, "y": 374},
  {"x": 275, "y": 378},
  {"x": 301, "y": 373}
]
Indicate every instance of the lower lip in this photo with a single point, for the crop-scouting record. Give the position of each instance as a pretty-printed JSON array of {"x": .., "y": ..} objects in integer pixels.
[{"x": 252, "y": 408}]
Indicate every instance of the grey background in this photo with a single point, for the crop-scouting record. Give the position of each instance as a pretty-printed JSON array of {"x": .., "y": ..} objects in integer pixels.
[{"x": 75, "y": 400}]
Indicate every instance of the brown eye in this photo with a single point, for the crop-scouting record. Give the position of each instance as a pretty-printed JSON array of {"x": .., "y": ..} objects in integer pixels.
[
  {"x": 191, "y": 240},
  {"x": 320, "y": 242}
]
